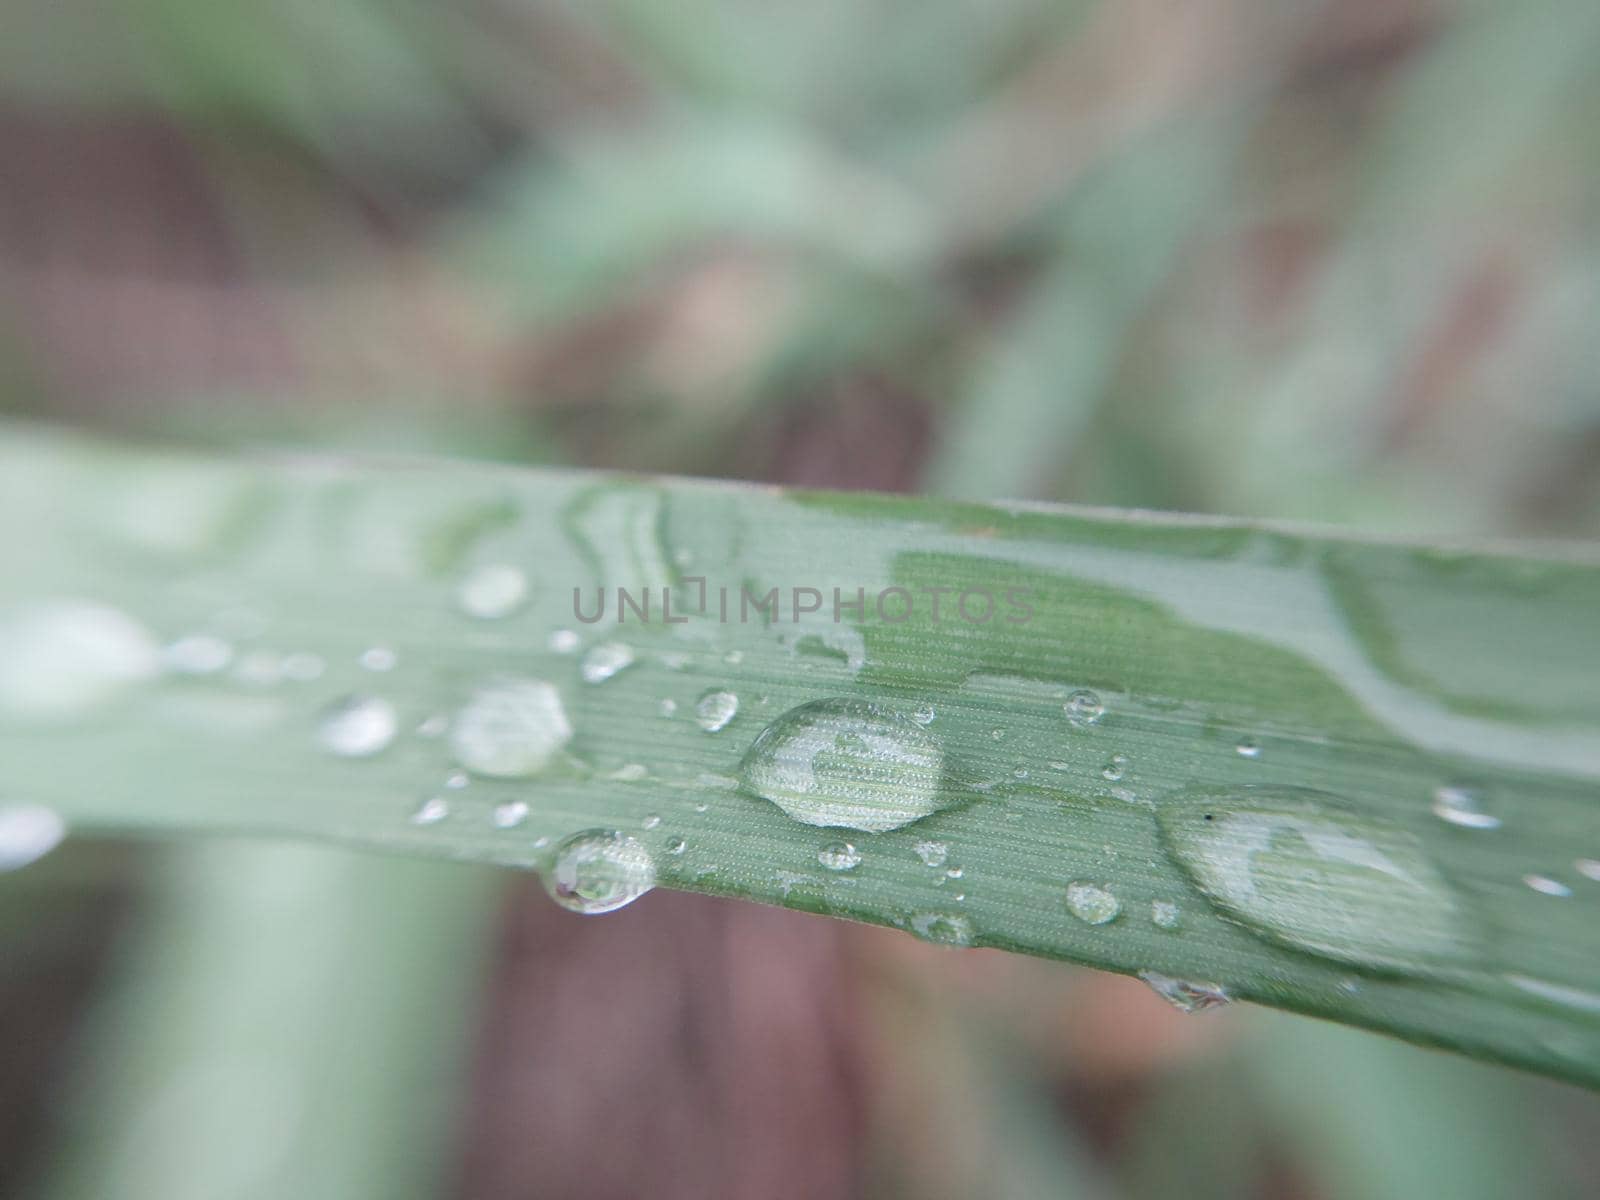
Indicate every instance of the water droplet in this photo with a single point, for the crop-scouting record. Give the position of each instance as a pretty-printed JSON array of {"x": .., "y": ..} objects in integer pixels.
[
  {"x": 1460, "y": 806},
  {"x": 715, "y": 709},
  {"x": 1084, "y": 708},
  {"x": 1303, "y": 868},
  {"x": 839, "y": 856},
  {"x": 955, "y": 872},
  {"x": 1115, "y": 768},
  {"x": 492, "y": 591},
  {"x": 64, "y": 658},
  {"x": 457, "y": 780},
  {"x": 932, "y": 854},
  {"x": 923, "y": 714},
  {"x": 562, "y": 641},
  {"x": 733, "y": 657},
  {"x": 1092, "y": 904},
  {"x": 599, "y": 871},
  {"x": 1589, "y": 868},
  {"x": 510, "y": 815},
  {"x": 942, "y": 929},
  {"x": 303, "y": 667},
  {"x": 510, "y": 729},
  {"x": 630, "y": 773},
  {"x": 846, "y": 763},
  {"x": 653, "y": 821},
  {"x": 379, "y": 658},
  {"x": 431, "y": 812},
  {"x": 1165, "y": 914},
  {"x": 1186, "y": 995},
  {"x": 604, "y": 661},
  {"x": 357, "y": 726},
  {"x": 674, "y": 661},
  {"x": 667, "y": 707},
  {"x": 676, "y": 845},
  {"x": 1556, "y": 993},
  {"x": 1248, "y": 748},
  {"x": 198, "y": 654},
  {"x": 1546, "y": 886},
  {"x": 27, "y": 833}
]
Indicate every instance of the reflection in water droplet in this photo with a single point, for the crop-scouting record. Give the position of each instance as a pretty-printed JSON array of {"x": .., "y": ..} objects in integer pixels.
[
  {"x": 379, "y": 658},
  {"x": 1092, "y": 904},
  {"x": 431, "y": 812},
  {"x": 1115, "y": 768},
  {"x": 715, "y": 709},
  {"x": 1589, "y": 868},
  {"x": 932, "y": 854},
  {"x": 839, "y": 856},
  {"x": 510, "y": 729},
  {"x": 357, "y": 726},
  {"x": 604, "y": 661},
  {"x": 1084, "y": 708},
  {"x": 599, "y": 871},
  {"x": 67, "y": 657},
  {"x": 1303, "y": 868},
  {"x": 492, "y": 591},
  {"x": 942, "y": 929},
  {"x": 27, "y": 833},
  {"x": 846, "y": 763},
  {"x": 1568, "y": 997},
  {"x": 1460, "y": 806},
  {"x": 198, "y": 654},
  {"x": 510, "y": 815},
  {"x": 1546, "y": 886},
  {"x": 1165, "y": 914},
  {"x": 1186, "y": 995}
]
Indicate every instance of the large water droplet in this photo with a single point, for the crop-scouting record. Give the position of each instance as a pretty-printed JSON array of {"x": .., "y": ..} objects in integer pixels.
[
  {"x": 1184, "y": 994},
  {"x": 1084, "y": 708},
  {"x": 1092, "y": 904},
  {"x": 492, "y": 591},
  {"x": 839, "y": 856},
  {"x": 942, "y": 929},
  {"x": 510, "y": 729},
  {"x": 715, "y": 709},
  {"x": 357, "y": 726},
  {"x": 604, "y": 661},
  {"x": 1304, "y": 869},
  {"x": 599, "y": 871},
  {"x": 64, "y": 658},
  {"x": 27, "y": 833},
  {"x": 847, "y": 763},
  {"x": 1460, "y": 806}
]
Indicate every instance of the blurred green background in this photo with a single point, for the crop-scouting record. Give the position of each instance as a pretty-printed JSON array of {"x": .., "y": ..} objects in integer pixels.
[{"x": 1337, "y": 262}]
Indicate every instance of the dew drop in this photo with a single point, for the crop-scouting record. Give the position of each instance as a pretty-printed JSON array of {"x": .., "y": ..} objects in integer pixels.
[
  {"x": 942, "y": 929},
  {"x": 510, "y": 729},
  {"x": 1546, "y": 886},
  {"x": 1092, "y": 904},
  {"x": 431, "y": 812},
  {"x": 510, "y": 815},
  {"x": 1164, "y": 914},
  {"x": 923, "y": 714},
  {"x": 599, "y": 871},
  {"x": 676, "y": 845},
  {"x": 1589, "y": 868},
  {"x": 27, "y": 833},
  {"x": 379, "y": 658},
  {"x": 1116, "y": 768},
  {"x": 846, "y": 763},
  {"x": 67, "y": 657},
  {"x": 357, "y": 726},
  {"x": 562, "y": 641},
  {"x": 197, "y": 654},
  {"x": 1460, "y": 806},
  {"x": 955, "y": 872},
  {"x": 604, "y": 661},
  {"x": 733, "y": 657},
  {"x": 457, "y": 780},
  {"x": 1084, "y": 708},
  {"x": 839, "y": 856},
  {"x": 715, "y": 709},
  {"x": 1248, "y": 748},
  {"x": 668, "y": 707},
  {"x": 1186, "y": 995},
  {"x": 492, "y": 591},
  {"x": 932, "y": 854},
  {"x": 1303, "y": 868},
  {"x": 653, "y": 821}
]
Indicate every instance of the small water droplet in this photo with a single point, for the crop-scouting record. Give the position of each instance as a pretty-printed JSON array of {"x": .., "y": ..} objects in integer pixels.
[
  {"x": 431, "y": 812},
  {"x": 955, "y": 872},
  {"x": 64, "y": 658},
  {"x": 510, "y": 815},
  {"x": 1546, "y": 886},
  {"x": 715, "y": 709},
  {"x": 492, "y": 591},
  {"x": 1186, "y": 995},
  {"x": 1589, "y": 868},
  {"x": 27, "y": 833},
  {"x": 457, "y": 780},
  {"x": 357, "y": 726},
  {"x": 733, "y": 657},
  {"x": 1092, "y": 904},
  {"x": 1305, "y": 869},
  {"x": 1115, "y": 768},
  {"x": 562, "y": 641},
  {"x": 839, "y": 856},
  {"x": 1165, "y": 914},
  {"x": 605, "y": 661},
  {"x": 923, "y": 714},
  {"x": 379, "y": 658},
  {"x": 599, "y": 871},
  {"x": 997, "y": 734},
  {"x": 434, "y": 726},
  {"x": 932, "y": 854},
  {"x": 942, "y": 929},
  {"x": 1084, "y": 708},
  {"x": 1461, "y": 807},
  {"x": 510, "y": 729},
  {"x": 676, "y": 845},
  {"x": 653, "y": 821},
  {"x": 1248, "y": 748},
  {"x": 847, "y": 763},
  {"x": 667, "y": 707},
  {"x": 198, "y": 654}
]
